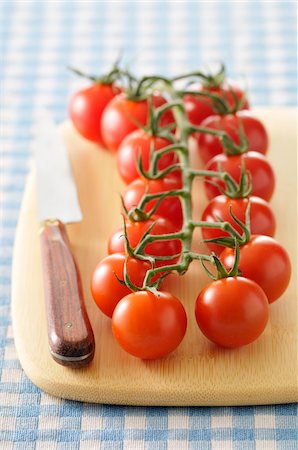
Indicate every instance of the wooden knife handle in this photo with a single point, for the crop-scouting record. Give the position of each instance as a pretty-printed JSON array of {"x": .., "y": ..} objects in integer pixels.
[{"x": 70, "y": 334}]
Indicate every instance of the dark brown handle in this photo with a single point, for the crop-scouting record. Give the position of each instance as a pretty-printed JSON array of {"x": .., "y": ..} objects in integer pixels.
[{"x": 70, "y": 334}]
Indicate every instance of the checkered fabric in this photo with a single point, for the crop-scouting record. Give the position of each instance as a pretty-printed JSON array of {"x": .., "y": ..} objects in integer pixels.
[{"x": 38, "y": 40}]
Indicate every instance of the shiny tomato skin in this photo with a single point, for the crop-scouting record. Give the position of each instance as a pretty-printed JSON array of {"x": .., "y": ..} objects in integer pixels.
[
  {"x": 135, "y": 231},
  {"x": 170, "y": 207},
  {"x": 256, "y": 134},
  {"x": 232, "y": 312},
  {"x": 86, "y": 108},
  {"x": 106, "y": 290},
  {"x": 262, "y": 220},
  {"x": 149, "y": 325},
  {"x": 199, "y": 108},
  {"x": 264, "y": 261},
  {"x": 118, "y": 118},
  {"x": 263, "y": 179},
  {"x": 138, "y": 144}
]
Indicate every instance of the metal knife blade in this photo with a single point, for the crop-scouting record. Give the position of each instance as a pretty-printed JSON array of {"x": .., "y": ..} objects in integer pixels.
[
  {"x": 70, "y": 335},
  {"x": 57, "y": 194}
]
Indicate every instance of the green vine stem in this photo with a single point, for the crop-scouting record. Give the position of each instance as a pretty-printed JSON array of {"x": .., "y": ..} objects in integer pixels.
[
  {"x": 209, "y": 80},
  {"x": 139, "y": 90},
  {"x": 219, "y": 103},
  {"x": 187, "y": 258},
  {"x": 109, "y": 78},
  {"x": 186, "y": 233},
  {"x": 229, "y": 146}
]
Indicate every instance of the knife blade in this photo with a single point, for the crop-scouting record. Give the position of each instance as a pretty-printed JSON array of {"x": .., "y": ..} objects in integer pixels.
[{"x": 70, "y": 336}]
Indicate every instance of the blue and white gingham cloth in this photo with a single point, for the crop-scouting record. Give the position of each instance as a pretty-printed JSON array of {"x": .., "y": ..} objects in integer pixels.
[{"x": 38, "y": 40}]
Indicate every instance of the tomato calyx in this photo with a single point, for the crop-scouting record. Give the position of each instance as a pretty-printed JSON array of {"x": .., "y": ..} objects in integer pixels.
[
  {"x": 221, "y": 271},
  {"x": 220, "y": 103},
  {"x": 209, "y": 80},
  {"x": 229, "y": 241},
  {"x": 138, "y": 215},
  {"x": 214, "y": 81},
  {"x": 138, "y": 253},
  {"x": 153, "y": 173},
  {"x": 138, "y": 90},
  {"x": 153, "y": 128},
  {"x": 110, "y": 78},
  {"x": 130, "y": 253},
  {"x": 229, "y": 146},
  {"x": 144, "y": 85},
  {"x": 233, "y": 189}
]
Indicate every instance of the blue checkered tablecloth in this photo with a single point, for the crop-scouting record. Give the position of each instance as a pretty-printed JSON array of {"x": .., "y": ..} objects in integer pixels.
[{"x": 38, "y": 40}]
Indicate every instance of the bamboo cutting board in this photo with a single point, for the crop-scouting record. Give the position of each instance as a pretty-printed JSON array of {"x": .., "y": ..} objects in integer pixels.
[{"x": 198, "y": 372}]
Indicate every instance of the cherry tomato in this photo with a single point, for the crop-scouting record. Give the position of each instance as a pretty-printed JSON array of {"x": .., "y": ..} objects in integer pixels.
[
  {"x": 199, "y": 108},
  {"x": 106, "y": 289},
  {"x": 264, "y": 261},
  {"x": 149, "y": 325},
  {"x": 263, "y": 180},
  {"x": 232, "y": 312},
  {"x": 135, "y": 231},
  {"x": 136, "y": 144},
  {"x": 169, "y": 208},
  {"x": 118, "y": 119},
  {"x": 255, "y": 132},
  {"x": 86, "y": 108},
  {"x": 262, "y": 220}
]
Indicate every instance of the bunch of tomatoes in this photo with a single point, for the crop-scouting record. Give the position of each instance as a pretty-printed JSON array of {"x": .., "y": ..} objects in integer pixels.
[{"x": 148, "y": 123}]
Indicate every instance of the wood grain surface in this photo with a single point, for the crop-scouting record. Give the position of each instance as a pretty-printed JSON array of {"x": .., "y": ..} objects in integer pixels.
[
  {"x": 198, "y": 372},
  {"x": 70, "y": 335}
]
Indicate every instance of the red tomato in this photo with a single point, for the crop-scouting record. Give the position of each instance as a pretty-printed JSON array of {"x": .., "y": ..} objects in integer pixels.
[
  {"x": 135, "y": 231},
  {"x": 199, "y": 108},
  {"x": 169, "y": 208},
  {"x": 119, "y": 115},
  {"x": 262, "y": 220},
  {"x": 264, "y": 261},
  {"x": 86, "y": 108},
  {"x": 136, "y": 144},
  {"x": 149, "y": 325},
  {"x": 232, "y": 312},
  {"x": 255, "y": 132},
  {"x": 263, "y": 180},
  {"x": 106, "y": 290}
]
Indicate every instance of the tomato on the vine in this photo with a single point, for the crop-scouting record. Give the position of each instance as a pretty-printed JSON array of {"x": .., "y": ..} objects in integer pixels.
[
  {"x": 122, "y": 114},
  {"x": 138, "y": 145},
  {"x": 232, "y": 312},
  {"x": 262, "y": 220},
  {"x": 136, "y": 230},
  {"x": 255, "y": 132},
  {"x": 264, "y": 261},
  {"x": 106, "y": 289},
  {"x": 199, "y": 108},
  {"x": 149, "y": 325},
  {"x": 170, "y": 207},
  {"x": 86, "y": 108},
  {"x": 261, "y": 172}
]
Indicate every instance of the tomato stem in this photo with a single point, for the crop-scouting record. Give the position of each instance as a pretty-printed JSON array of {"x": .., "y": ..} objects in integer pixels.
[
  {"x": 186, "y": 233},
  {"x": 229, "y": 146},
  {"x": 209, "y": 80},
  {"x": 218, "y": 103},
  {"x": 181, "y": 267}
]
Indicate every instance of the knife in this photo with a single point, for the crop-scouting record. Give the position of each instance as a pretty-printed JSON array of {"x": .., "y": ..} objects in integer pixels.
[{"x": 70, "y": 336}]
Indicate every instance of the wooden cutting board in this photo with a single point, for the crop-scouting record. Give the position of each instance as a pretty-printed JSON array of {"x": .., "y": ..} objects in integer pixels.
[{"x": 198, "y": 372}]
